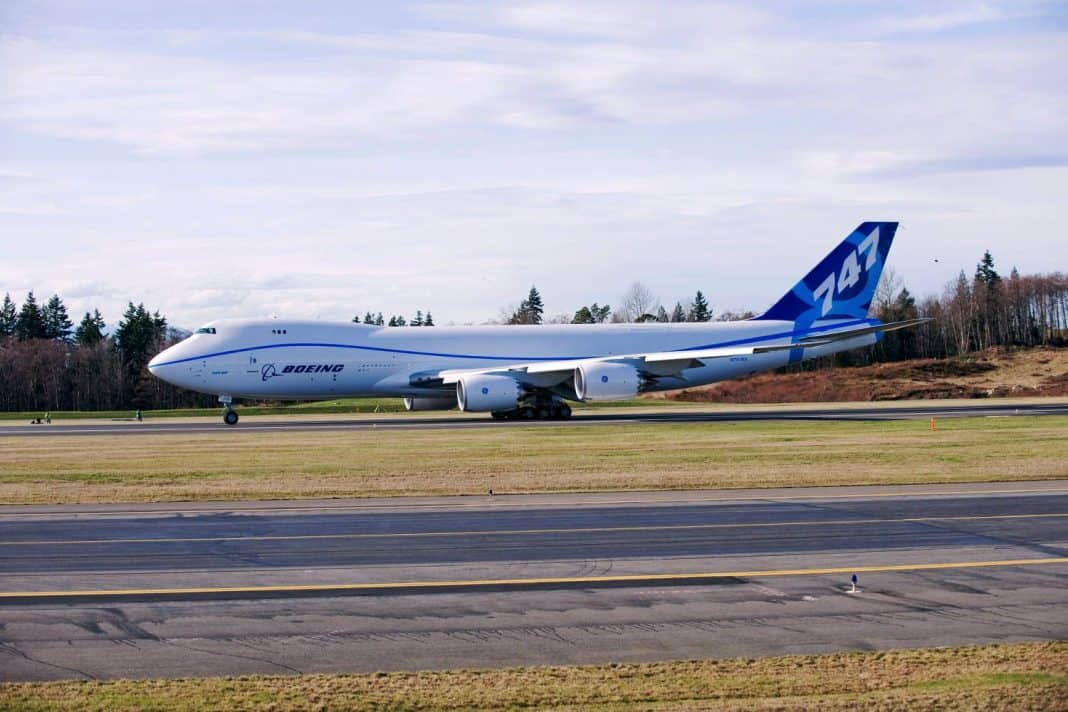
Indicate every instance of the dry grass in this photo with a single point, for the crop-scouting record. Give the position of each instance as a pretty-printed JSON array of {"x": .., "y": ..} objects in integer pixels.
[
  {"x": 992, "y": 677},
  {"x": 527, "y": 459},
  {"x": 992, "y": 373}
]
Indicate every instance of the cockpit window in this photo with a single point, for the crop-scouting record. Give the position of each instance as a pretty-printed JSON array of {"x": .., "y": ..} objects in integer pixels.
[{"x": 206, "y": 330}]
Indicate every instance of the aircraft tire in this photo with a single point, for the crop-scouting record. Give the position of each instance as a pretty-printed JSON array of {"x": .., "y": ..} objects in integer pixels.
[{"x": 230, "y": 417}]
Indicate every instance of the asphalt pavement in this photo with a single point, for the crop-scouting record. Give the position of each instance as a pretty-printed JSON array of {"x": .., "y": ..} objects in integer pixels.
[{"x": 104, "y": 591}]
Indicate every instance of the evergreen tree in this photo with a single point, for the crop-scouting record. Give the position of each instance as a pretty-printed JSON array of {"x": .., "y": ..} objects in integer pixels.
[
  {"x": 8, "y": 317},
  {"x": 369, "y": 318},
  {"x": 593, "y": 314},
  {"x": 897, "y": 345},
  {"x": 91, "y": 330},
  {"x": 418, "y": 320},
  {"x": 700, "y": 310},
  {"x": 30, "y": 323},
  {"x": 57, "y": 324},
  {"x": 985, "y": 272},
  {"x": 392, "y": 321},
  {"x": 530, "y": 309},
  {"x": 678, "y": 313},
  {"x": 378, "y": 320},
  {"x": 356, "y": 319},
  {"x": 662, "y": 315},
  {"x": 535, "y": 308},
  {"x": 429, "y": 321},
  {"x": 989, "y": 294},
  {"x": 583, "y": 316},
  {"x": 138, "y": 336}
]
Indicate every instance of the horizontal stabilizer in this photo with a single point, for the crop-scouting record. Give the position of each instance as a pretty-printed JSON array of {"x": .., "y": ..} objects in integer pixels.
[
  {"x": 877, "y": 329},
  {"x": 806, "y": 342}
]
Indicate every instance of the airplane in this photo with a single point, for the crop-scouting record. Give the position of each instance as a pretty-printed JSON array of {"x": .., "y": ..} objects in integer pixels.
[{"x": 530, "y": 372}]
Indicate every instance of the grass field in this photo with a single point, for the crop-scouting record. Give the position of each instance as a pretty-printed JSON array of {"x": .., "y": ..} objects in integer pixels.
[
  {"x": 993, "y": 677},
  {"x": 360, "y": 463}
]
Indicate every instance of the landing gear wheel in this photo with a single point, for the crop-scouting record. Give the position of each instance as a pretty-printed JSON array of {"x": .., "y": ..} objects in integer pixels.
[
  {"x": 230, "y": 417},
  {"x": 561, "y": 411}
]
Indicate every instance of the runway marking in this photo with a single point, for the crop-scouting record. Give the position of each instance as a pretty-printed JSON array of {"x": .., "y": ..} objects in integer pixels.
[
  {"x": 520, "y": 582},
  {"x": 505, "y": 532},
  {"x": 490, "y": 503}
]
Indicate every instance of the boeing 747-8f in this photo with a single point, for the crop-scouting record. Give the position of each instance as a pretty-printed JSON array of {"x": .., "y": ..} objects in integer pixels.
[{"x": 531, "y": 371}]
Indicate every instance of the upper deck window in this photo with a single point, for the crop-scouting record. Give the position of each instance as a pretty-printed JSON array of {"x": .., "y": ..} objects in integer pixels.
[{"x": 206, "y": 330}]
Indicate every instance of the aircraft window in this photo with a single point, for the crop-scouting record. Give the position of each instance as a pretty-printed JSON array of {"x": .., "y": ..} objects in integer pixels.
[
  {"x": 278, "y": 331},
  {"x": 206, "y": 330}
]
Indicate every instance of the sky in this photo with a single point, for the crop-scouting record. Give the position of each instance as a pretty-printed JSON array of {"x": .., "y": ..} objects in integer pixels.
[{"x": 322, "y": 159}]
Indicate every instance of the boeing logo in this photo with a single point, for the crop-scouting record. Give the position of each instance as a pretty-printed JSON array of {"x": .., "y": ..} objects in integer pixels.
[{"x": 269, "y": 370}]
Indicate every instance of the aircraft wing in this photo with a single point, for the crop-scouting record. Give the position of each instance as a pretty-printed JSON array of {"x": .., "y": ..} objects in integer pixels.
[{"x": 659, "y": 363}]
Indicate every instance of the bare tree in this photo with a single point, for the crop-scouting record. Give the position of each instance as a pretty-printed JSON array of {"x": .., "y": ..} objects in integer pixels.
[
  {"x": 639, "y": 303},
  {"x": 887, "y": 290}
]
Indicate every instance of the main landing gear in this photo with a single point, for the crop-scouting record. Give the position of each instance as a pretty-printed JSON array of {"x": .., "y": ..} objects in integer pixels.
[
  {"x": 229, "y": 415},
  {"x": 555, "y": 410}
]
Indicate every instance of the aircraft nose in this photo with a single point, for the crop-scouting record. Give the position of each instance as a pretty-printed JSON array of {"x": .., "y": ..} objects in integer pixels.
[{"x": 163, "y": 357}]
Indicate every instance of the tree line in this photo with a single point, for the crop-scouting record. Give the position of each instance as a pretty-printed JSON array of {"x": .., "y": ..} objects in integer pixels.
[
  {"x": 395, "y": 320},
  {"x": 973, "y": 314},
  {"x": 638, "y": 305},
  {"x": 48, "y": 363}
]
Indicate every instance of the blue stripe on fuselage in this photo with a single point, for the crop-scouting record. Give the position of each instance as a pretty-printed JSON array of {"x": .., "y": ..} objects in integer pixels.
[{"x": 736, "y": 342}]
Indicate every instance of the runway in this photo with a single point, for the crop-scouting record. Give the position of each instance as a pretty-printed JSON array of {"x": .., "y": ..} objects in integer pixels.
[
  {"x": 251, "y": 424},
  {"x": 104, "y": 591}
]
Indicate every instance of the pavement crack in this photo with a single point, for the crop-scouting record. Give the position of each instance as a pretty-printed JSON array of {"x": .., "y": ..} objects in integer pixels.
[
  {"x": 254, "y": 658},
  {"x": 9, "y": 648}
]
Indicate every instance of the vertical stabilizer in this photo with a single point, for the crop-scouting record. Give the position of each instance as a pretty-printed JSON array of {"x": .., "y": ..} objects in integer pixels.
[{"x": 843, "y": 284}]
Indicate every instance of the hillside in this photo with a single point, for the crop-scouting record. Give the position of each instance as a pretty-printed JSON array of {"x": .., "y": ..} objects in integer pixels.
[{"x": 993, "y": 373}]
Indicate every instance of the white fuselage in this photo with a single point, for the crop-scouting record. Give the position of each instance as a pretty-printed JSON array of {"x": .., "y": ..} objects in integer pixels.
[{"x": 284, "y": 359}]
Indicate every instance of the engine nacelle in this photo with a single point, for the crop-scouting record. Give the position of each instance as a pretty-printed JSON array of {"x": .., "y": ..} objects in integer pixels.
[
  {"x": 482, "y": 392},
  {"x": 420, "y": 403},
  {"x": 602, "y": 381}
]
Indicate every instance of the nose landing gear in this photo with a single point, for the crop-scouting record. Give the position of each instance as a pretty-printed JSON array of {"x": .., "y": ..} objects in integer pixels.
[{"x": 229, "y": 415}]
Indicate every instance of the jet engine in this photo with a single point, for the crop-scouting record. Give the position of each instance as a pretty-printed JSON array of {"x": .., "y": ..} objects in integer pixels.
[
  {"x": 604, "y": 381},
  {"x": 419, "y": 403},
  {"x": 481, "y": 392}
]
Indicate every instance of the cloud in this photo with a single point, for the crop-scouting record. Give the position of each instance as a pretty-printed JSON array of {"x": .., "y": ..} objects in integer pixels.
[
  {"x": 629, "y": 66},
  {"x": 953, "y": 18},
  {"x": 306, "y": 168}
]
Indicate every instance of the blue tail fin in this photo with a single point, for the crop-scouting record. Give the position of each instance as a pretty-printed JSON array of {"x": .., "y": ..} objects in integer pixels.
[{"x": 842, "y": 285}]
